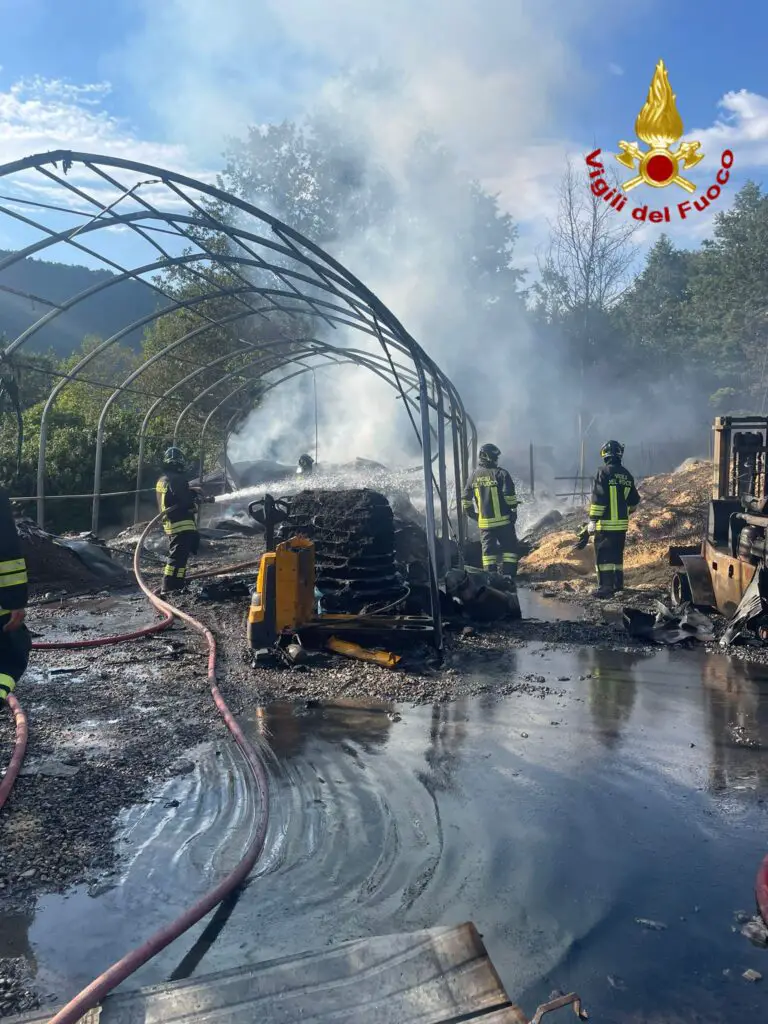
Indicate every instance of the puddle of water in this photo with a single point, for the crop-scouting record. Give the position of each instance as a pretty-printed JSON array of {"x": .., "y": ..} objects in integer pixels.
[
  {"x": 552, "y": 824},
  {"x": 534, "y": 606}
]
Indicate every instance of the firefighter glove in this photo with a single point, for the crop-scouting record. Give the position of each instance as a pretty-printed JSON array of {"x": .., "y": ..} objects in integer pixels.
[{"x": 591, "y": 526}]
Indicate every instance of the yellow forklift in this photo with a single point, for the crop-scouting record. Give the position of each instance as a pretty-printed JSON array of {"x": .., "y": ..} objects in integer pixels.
[
  {"x": 717, "y": 576},
  {"x": 284, "y": 605}
]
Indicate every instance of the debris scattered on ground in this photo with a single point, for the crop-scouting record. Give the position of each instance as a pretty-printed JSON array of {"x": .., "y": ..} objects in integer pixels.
[
  {"x": 669, "y": 625},
  {"x": 653, "y": 926},
  {"x": 756, "y": 931},
  {"x": 52, "y": 565},
  {"x": 750, "y": 614},
  {"x": 750, "y": 975}
]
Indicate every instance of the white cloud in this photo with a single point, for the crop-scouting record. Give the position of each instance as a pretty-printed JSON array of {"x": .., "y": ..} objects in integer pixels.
[
  {"x": 742, "y": 128},
  {"x": 39, "y": 115},
  {"x": 616, "y": 69}
]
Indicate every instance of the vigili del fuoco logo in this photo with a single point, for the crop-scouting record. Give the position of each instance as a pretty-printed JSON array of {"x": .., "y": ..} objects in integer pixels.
[{"x": 659, "y": 126}]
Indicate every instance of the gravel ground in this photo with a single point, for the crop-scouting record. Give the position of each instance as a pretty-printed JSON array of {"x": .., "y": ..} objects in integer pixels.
[{"x": 106, "y": 724}]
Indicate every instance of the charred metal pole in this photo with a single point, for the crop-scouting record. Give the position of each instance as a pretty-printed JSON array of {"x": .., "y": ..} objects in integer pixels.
[
  {"x": 458, "y": 481},
  {"x": 429, "y": 498},
  {"x": 445, "y": 524}
]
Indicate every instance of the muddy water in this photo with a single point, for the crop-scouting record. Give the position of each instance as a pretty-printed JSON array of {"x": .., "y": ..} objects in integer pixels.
[{"x": 551, "y": 823}]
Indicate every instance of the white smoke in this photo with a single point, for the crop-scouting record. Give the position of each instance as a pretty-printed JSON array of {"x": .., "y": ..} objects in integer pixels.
[{"x": 488, "y": 77}]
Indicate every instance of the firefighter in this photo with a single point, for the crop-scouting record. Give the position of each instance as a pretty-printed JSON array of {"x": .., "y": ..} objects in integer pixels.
[
  {"x": 489, "y": 498},
  {"x": 306, "y": 466},
  {"x": 15, "y": 641},
  {"x": 614, "y": 499},
  {"x": 180, "y": 504}
]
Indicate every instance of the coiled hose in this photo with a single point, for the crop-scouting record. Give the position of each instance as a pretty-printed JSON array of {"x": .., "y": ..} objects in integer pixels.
[{"x": 93, "y": 994}]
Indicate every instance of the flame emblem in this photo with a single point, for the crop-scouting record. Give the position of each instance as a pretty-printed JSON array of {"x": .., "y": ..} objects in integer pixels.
[{"x": 658, "y": 125}]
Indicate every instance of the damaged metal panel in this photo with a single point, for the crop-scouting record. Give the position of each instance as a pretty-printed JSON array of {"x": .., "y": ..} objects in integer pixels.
[
  {"x": 430, "y": 977},
  {"x": 702, "y": 594}
]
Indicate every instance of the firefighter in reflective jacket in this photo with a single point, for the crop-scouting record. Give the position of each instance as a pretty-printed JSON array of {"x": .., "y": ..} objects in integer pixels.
[
  {"x": 489, "y": 497},
  {"x": 15, "y": 641},
  {"x": 180, "y": 504},
  {"x": 614, "y": 499}
]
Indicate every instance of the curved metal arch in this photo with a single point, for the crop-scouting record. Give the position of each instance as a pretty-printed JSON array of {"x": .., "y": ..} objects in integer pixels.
[
  {"x": 359, "y": 359},
  {"x": 312, "y": 284},
  {"x": 282, "y": 230}
]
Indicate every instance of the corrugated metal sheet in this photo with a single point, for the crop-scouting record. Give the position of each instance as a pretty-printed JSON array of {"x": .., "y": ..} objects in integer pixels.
[{"x": 428, "y": 977}]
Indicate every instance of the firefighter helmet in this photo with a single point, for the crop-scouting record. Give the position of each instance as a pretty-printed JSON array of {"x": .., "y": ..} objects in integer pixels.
[
  {"x": 174, "y": 459},
  {"x": 306, "y": 463},
  {"x": 489, "y": 455},
  {"x": 612, "y": 450}
]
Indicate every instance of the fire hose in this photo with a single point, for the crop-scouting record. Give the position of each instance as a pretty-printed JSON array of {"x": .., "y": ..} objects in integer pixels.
[
  {"x": 761, "y": 890},
  {"x": 19, "y": 749},
  {"x": 92, "y": 995}
]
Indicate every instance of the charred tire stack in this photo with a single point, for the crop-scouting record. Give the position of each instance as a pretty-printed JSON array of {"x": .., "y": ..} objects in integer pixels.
[{"x": 354, "y": 536}]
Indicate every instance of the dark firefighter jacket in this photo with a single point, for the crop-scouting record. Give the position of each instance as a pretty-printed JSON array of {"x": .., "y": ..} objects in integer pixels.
[
  {"x": 13, "y": 568},
  {"x": 614, "y": 498},
  {"x": 490, "y": 494},
  {"x": 172, "y": 489}
]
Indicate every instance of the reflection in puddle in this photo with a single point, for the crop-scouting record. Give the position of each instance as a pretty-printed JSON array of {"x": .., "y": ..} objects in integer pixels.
[{"x": 552, "y": 823}]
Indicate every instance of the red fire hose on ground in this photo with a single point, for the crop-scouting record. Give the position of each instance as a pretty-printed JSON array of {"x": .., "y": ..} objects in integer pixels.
[
  {"x": 761, "y": 890},
  {"x": 20, "y": 746},
  {"x": 92, "y": 995}
]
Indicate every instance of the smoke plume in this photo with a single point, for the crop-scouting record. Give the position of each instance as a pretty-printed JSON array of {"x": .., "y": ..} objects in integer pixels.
[{"x": 488, "y": 78}]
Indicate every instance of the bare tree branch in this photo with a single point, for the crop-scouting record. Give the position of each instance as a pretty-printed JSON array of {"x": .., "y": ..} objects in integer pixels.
[{"x": 591, "y": 249}]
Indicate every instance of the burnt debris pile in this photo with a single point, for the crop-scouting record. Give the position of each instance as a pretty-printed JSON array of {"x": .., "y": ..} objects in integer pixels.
[
  {"x": 51, "y": 564},
  {"x": 354, "y": 536}
]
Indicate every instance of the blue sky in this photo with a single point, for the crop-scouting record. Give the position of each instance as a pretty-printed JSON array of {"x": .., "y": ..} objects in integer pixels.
[{"x": 513, "y": 86}]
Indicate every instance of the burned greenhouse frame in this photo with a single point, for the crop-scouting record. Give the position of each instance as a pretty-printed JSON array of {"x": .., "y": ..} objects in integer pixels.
[{"x": 275, "y": 295}]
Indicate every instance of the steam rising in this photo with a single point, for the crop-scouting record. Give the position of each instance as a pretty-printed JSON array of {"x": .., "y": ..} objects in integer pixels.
[{"x": 488, "y": 78}]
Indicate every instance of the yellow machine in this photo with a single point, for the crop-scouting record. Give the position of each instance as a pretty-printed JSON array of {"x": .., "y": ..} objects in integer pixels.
[
  {"x": 284, "y": 598},
  {"x": 283, "y": 604}
]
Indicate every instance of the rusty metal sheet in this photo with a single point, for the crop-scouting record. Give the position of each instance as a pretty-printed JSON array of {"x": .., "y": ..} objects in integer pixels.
[
  {"x": 729, "y": 578},
  {"x": 697, "y": 569}
]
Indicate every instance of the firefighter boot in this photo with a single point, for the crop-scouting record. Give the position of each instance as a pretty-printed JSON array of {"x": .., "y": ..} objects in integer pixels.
[{"x": 171, "y": 585}]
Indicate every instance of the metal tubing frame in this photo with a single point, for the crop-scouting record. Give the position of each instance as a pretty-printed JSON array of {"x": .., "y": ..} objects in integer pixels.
[{"x": 293, "y": 278}]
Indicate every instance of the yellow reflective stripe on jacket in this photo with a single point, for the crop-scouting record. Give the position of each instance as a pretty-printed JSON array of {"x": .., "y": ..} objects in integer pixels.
[
  {"x": 182, "y": 526},
  {"x": 489, "y": 524},
  {"x": 13, "y": 565},
  {"x": 610, "y": 523},
  {"x": 13, "y": 572},
  {"x": 595, "y": 511},
  {"x": 14, "y": 579}
]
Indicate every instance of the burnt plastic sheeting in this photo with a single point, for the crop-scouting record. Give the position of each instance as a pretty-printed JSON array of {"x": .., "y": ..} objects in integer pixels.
[
  {"x": 668, "y": 626},
  {"x": 752, "y": 612}
]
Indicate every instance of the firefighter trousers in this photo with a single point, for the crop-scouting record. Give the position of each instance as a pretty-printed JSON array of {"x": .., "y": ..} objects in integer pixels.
[
  {"x": 609, "y": 559},
  {"x": 180, "y": 547},
  {"x": 500, "y": 549},
  {"x": 14, "y": 655}
]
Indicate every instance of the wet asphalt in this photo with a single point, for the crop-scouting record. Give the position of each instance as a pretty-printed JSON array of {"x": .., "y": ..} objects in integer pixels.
[{"x": 554, "y": 795}]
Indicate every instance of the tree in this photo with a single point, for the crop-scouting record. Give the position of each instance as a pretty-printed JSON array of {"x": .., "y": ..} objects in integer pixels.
[
  {"x": 654, "y": 313},
  {"x": 585, "y": 270},
  {"x": 729, "y": 295}
]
